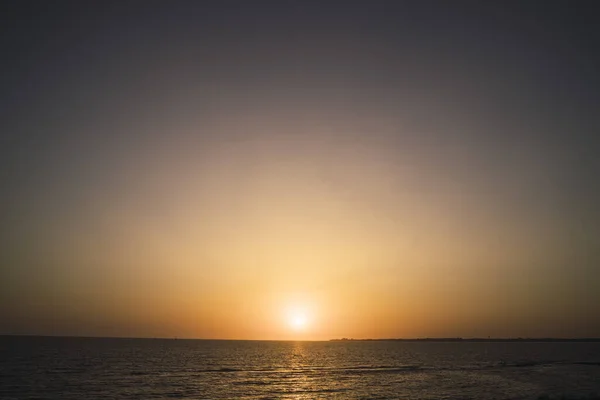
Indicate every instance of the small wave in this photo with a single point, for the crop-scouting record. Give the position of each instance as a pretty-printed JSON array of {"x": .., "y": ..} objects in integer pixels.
[
  {"x": 374, "y": 369},
  {"x": 74, "y": 370},
  {"x": 138, "y": 373},
  {"x": 569, "y": 397},
  {"x": 253, "y": 383},
  {"x": 370, "y": 367},
  {"x": 360, "y": 369},
  {"x": 329, "y": 390},
  {"x": 324, "y": 390},
  {"x": 527, "y": 363},
  {"x": 224, "y": 369},
  {"x": 594, "y": 363},
  {"x": 215, "y": 370},
  {"x": 380, "y": 369},
  {"x": 175, "y": 395}
]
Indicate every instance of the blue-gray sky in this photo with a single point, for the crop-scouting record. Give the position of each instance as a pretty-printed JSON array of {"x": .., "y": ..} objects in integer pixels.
[{"x": 390, "y": 168}]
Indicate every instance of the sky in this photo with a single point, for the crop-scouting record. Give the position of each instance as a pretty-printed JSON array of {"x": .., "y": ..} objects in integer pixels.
[{"x": 300, "y": 170}]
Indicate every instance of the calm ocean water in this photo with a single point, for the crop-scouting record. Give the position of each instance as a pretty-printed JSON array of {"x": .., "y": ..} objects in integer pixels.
[{"x": 85, "y": 368}]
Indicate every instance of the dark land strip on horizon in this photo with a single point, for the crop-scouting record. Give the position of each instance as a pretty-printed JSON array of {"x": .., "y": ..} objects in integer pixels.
[{"x": 470, "y": 340}]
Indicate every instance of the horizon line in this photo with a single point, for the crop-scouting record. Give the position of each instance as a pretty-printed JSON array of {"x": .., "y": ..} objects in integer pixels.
[{"x": 417, "y": 339}]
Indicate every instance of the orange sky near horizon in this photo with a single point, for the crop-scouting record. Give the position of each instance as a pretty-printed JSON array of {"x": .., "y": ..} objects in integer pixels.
[{"x": 370, "y": 246}]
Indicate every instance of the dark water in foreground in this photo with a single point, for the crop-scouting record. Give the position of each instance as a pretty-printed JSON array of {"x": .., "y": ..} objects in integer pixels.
[{"x": 80, "y": 368}]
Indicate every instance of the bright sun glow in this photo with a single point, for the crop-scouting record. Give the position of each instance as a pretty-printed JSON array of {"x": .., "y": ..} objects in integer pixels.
[
  {"x": 298, "y": 321},
  {"x": 299, "y": 315}
]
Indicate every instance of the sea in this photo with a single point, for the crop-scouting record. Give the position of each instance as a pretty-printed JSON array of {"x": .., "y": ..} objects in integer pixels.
[{"x": 98, "y": 368}]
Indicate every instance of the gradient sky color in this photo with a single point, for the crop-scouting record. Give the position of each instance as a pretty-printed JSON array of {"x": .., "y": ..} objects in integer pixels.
[{"x": 393, "y": 169}]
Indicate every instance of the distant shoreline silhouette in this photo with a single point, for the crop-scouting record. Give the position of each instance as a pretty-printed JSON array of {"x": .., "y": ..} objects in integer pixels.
[{"x": 469, "y": 340}]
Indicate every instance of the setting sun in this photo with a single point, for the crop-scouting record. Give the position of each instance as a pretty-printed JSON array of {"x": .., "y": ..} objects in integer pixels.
[
  {"x": 298, "y": 321},
  {"x": 299, "y": 316}
]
